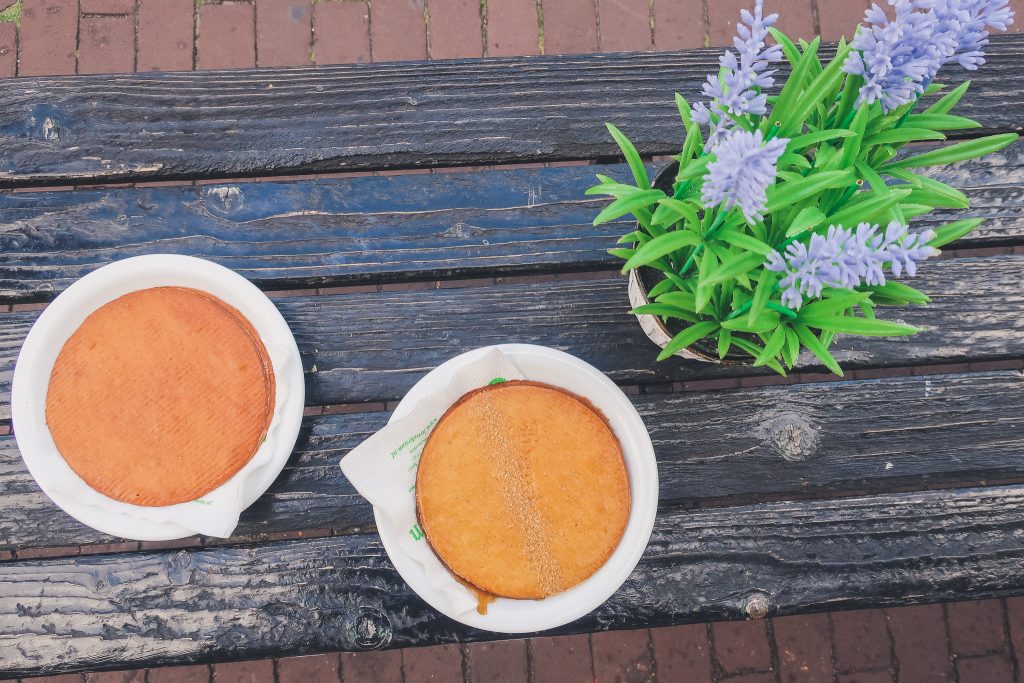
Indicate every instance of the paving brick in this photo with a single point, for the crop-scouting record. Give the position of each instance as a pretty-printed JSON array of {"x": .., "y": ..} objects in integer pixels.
[
  {"x": 622, "y": 656},
  {"x": 284, "y": 32},
  {"x": 227, "y": 37},
  {"x": 752, "y": 678},
  {"x": 679, "y": 24},
  {"x": 868, "y": 677},
  {"x": 107, "y": 6},
  {"x": 496, "y": 662},
  {"x": 512, "y": 28},
  {"x": 455, "y": 29},
  {"x": 625, "y": 25},
  {"x": 988, "y": 669},
  {"x": 561, "y": 659},
  {"x": 165, "y": 35},
  {"x": 1015, "y": 615},
  {"x": 372, "y": 667},
  {"x": 134, "y": 676},
  {"x": 398, "y": 30},
  {"x": 255, "y": 671},
  {"x": 861, "y": 640},
  {"x": 919, "y": 640},
  {"x": 341, "y": 32},
  {"x": 741, "y": 645},
  {"x": 795, "y": 18},
  {"x": 48, "y": 32},
  {"x": 682, "y": 653},
  {"x": 304, "y": 669},
  {"x": 975, "y": 627},
  {"x": 106, "y": 45},
  {"x": 570, "y": 26},
  {"x": 840, "y": 17},
  {"x": 1018, "y": 19},
  {"x": 179, "y": 674},
  {"x": 8, "y": 49},
  {"x": 804, "y": 648},
  {"x": 437, "y": 664}
]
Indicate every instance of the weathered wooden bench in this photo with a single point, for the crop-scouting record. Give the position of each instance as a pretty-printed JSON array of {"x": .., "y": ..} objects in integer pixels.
[{"x": 903, "y": 482}]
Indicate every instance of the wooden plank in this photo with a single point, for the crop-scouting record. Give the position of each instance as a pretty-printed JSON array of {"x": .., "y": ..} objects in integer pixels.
[
  {"x": 146, "y": 609},
  {"x": 379, "y": 229},
  {"x": 713, "y": 448},
  {"x": 370, "y": 346},
  {"x": 61, "y": 130}
]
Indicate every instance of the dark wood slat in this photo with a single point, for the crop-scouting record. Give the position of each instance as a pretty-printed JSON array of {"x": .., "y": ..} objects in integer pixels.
[
  {"x": 145, "y": 609},
  {"x": 372, "y": 229},
  {"x": 62, "y": 130},
  {"x": 374, "y": 346},
  {"x": 713, "y": 448}
]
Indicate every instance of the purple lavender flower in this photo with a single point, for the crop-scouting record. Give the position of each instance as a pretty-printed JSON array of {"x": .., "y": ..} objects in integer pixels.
[
  {"x": 737, "y": 91},
  {"x": 962, "y": 27},
  {"x": 742, "y": 172},
  {"x": 845, "y": 258},
  {"x": 896, "y": 57}
]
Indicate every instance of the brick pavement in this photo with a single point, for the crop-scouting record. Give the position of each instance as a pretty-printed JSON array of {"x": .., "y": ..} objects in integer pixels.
[{"x": 965, "y": 642}]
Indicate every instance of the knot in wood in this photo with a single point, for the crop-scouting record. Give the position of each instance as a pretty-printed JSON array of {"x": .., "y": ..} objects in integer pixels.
[
  {"x": 756, "y": 606},
  {"x": 223, "y": 200},
  {"x": 792, "y": 437},
  {"x": 371, "y": 629}
]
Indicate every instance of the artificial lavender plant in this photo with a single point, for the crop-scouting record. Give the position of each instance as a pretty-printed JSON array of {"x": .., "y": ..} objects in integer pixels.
[{"x": 790, "y": 212}]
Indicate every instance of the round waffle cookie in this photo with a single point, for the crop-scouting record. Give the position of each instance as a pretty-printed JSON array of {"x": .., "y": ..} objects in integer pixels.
[
  {"x": 160, "y": 396},
  {"x": 522, "y": 490}
]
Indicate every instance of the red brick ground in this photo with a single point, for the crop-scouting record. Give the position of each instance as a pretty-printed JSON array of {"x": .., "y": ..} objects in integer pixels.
[{"x": 966, "y": 642}]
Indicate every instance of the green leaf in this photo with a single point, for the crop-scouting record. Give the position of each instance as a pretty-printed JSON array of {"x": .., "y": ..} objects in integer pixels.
[
  {"x": 665, "y": 311},
  {"x": 795, "y": 191},
  {"x": 695, "y": 168},
  {"x": 867, "y": 209},
  {"x": 808, "y": 98},
  {"x": 933, "y": 192},
  {"x": 623, "y": 254},
  {"x": 898, "y": 293},
  {"x": 834, "y": 305},
  {"x": 772, "y": 347},
  {"x": 724, "y": 342},
  {"x": 958, "y": 152},
  {"x": 814, "y": 345},
  {"x": 788, "y": 47},
  {"x": 738, "y": 239},
  {"x": 737, "y": 265},
  {"x": 707, "y": 264},
  {"x": 765, "y": 287},
  {"x": 954, "y": 231},
  {"x": 661, "y": 288},
  {"x": 632, "y": 157},
  {"x": 795, "y": 160},
  {"x": 902, "y": 135},
  {"x": 679, "y": 299},
  {"x": 691, "y": 334},
  {"x": 941, "y": 122},
  {"x": 808, "y": 218},
  {"x": 634, "y": 237},
  {"x": 671, "y": 210},
  {"x": 810, "y": 139},
  {"x": 878, "y": 185},
  {"x": 860, "y": 326},
  {"x": 640, "y": 199},
  {"x": 685, "y": 113},
  {"x": 660, "y": 246},
  {"x": 792, "y": 348},
  {"x": 947, "y": 102},
  {"x": 766, "y": 322},
  {"x": 755, "y": 351},
  {"x": 794, "y": 88}
]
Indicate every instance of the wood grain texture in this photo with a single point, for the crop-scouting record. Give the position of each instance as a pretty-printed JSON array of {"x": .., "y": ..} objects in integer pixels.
[
  {"x": 713, "y": 449},
  {"x": 156, "y": 608},
  {"x": 63, "y": 130},
  {"x": 374, "y": 346},
  {"x": 381, "y": 229}
]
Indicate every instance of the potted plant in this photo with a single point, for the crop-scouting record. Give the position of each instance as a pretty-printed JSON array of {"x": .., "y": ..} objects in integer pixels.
[{"x": 783, "y": 218}]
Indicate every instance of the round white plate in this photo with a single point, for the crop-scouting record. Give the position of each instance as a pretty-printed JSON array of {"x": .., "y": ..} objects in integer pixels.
[
  {"x": 61, "y": 318},
  {"x": 559, "y": 369}
]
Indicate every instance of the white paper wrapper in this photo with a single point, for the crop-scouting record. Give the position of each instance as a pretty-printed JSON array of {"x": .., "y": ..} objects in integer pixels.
[
  {"x": 215, "y": 514},
  {"x": 383, "y": 468}
]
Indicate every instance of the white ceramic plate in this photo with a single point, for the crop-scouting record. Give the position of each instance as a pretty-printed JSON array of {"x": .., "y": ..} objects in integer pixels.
[
  {"x": 62, "y": 317},
  {"x": 559, "y": 369}
]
